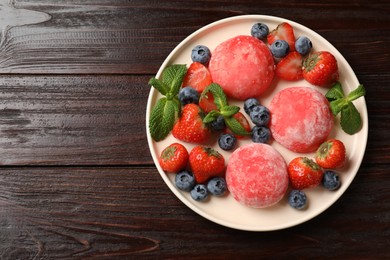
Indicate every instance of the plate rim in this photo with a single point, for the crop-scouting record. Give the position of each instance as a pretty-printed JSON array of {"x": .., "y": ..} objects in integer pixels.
[{"x": 204, "y": 214}]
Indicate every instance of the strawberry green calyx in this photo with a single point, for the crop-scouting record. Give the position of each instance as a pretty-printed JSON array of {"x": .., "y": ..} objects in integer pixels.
[
  {"x": 212, "y": 152},
  {"x": 224, "y": 109},
  {"x": 167, "y": 108},
  {"x": 310, "y": 163},
  {"x": 310, "y": 62},
  {"x": 350, "y": 119},
  {"x": 323, "y": 150}
]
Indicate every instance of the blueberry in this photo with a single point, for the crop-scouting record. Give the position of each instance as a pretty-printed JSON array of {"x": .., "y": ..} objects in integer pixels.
[
  {"x": 188, "y": 95},
  {"x": 218, "y": 124},
  {"x": 297, "y": 199},
  {"x": 227, "y": 142},
  {"x": 199, "y": 192},
  {"x": 260, "y": 115},
  {"x": 185, "y": 180},
  {"x": 201, "y": 54},
  {"x": 279, "y": 48},
  {"x": 259, "y": 31},
  {"x": 331, "y": 180},
  {"x": 261, "y": 134},
  {"x": 303, "y": 45},
  {"x": 249, "y": 104},
  {"x": 217, "y": 186}
]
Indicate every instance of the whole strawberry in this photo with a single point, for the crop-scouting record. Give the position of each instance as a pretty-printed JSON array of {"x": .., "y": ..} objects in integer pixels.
[
  {"x": 206, "y": 163},
  {"x": 320, "y": 69},
  {"x": 174, "y": 158},
  {"x": 331, "y": 154},
  {"x": 304, "y": 173},
  {"x": 190, "y": 127}
]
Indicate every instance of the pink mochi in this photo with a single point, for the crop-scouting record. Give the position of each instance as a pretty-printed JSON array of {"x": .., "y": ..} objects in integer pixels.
[
  {"x": 243, "y": 66},
  {"x": 300, "y": 119},
  {"x": 256, "y": 175}
]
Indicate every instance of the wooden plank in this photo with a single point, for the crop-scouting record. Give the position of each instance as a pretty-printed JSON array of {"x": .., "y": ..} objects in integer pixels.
[
  {"x": 136, "y": 37},
  {"x": 100, "y": 120},
  {"x": 130, "y": 212},
  {"x": 84, "y": 120}
]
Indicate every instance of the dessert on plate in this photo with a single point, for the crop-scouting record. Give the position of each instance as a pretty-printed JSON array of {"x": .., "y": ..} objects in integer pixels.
[{"x": 256, "y": 175}]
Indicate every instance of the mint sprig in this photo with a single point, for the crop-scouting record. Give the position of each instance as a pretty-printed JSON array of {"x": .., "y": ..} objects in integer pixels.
[
  {"x": 350, "y": 119},
  {"x": 224, "y": 109},
  {"x": 167, "y": 108}
]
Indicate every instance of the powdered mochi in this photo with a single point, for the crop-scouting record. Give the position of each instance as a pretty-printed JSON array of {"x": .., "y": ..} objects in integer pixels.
[
  {"x": 300, "y": 119},
  {"x": 256, "y": 175},
  {"x": 243, "y": 66}
]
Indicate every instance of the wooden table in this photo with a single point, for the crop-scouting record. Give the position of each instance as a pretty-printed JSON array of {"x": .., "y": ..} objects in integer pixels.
[{"x": 77, "y": 179}]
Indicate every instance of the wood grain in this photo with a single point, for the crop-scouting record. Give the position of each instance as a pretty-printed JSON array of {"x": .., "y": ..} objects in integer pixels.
[
  {"x": 73, "y": 120},
  {"x": 118, "y": 212},
  {"x": 135, "y": 37}
]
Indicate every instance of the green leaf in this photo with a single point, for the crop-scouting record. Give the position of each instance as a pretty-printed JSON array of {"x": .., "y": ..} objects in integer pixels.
[
  {"x": 336, "y": 92},
  {"x": 219, "y": 96},
  {"x": 228, "y": 111},
  {"x": 337, "y": 105},
  {"x": 235, "y": 126},
  {"x": 211, "y": 116},
  {"x": 162, "y": 118},
  {"x": 159, "y": 85},
  {"x": 357, "y": 93},
  {"x": 350, "y": 120},
  {"x": 172, "y": 76}
]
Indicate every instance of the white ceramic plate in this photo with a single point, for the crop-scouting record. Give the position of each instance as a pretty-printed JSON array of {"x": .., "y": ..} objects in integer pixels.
[{"x": 226, "y": 211}]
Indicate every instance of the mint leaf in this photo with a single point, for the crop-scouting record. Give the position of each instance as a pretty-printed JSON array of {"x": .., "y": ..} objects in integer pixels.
[
  {"x": 162, "y": 118},
  {"x": 337, "y": 105},
  {"x": 172, "y": 76},
  {"x": 357, "y": 93},
  {"x": 350, "y": 120},
  {"x": 235, "y": 126},
  {"x": 336, "y": 92},
  {"x": 159, "y": 85},
  {"x": 211, "y": 116},
  {"x": 219, "y": 96},
  {"x": 228, "y": 111}
]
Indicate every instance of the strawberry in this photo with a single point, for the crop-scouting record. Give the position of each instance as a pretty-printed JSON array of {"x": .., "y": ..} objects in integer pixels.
[
  {"x": 290, "y": 67},
  {"x": 197, "y": 76},
  {"x": 304, "y": 173},
  {"x": 206, "y": 102},
  {"x": 190, "y": 127},
  {"x": 283, "y": 31},
  {"x": 331, "y": 154},
  {"x": 243, "y": 122},
  {"x": 206, "y": 163},
  {"x": 174, "y": 158},
  {"x": 320, "y": 69}
]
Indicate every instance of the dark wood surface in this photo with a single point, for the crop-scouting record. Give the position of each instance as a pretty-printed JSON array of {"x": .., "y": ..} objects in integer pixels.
[{"x": 76, "y": 176}]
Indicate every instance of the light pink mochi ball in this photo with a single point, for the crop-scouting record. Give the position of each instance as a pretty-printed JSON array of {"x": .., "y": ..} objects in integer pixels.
[
  {"x": 301, "y": 119},
  {"x": 243, "y": 66},
  {"x": 256, "y": 175}
]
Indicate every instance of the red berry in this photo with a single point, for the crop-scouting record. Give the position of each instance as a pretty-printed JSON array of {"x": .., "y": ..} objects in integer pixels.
[
  {"x": 290, "y": 67},
  {"x": 206, "y": 163},
  {"x": 174, "y": 158},
  {"x": 304, "y": 173},
  {"x": 197, "y": 76},
  {"x": 331, "y": 154},
  {"x": 206, "y": 102},
  {"x": 283, "y": 31},
  {"x": 190, "y": 127},
  {"x": 320, "y": 69}
]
